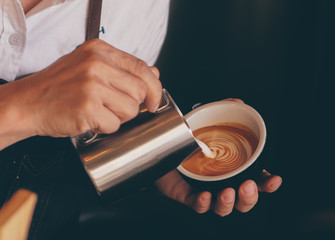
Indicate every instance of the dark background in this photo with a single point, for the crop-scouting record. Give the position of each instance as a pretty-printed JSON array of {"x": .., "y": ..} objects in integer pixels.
[{"x": 278, "y": 56}]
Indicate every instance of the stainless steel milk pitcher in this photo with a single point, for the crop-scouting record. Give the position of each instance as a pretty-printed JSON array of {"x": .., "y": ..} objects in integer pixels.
[{"x": 142, "y": 150}]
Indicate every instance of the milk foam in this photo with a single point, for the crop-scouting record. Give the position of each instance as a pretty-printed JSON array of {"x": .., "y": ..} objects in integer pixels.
[{"x": 205, "y": 149}]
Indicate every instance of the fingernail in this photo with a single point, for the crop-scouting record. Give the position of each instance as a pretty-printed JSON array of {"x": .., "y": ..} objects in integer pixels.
[{"x": 249, "y": 189}]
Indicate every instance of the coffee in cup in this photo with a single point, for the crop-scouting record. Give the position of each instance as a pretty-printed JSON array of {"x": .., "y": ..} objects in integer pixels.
[
  {"x": 232, "y": 144},
  {"x": 235, "y": 133}
]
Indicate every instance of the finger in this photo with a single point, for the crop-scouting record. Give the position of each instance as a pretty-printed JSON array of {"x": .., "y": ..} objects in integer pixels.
[
  {"x": 225, "y": 202},
  {"x": 269, "y": 183},
  {"x": 128, "y": 84},
  {"x": 154, "y": 86},
  {"x": 175, "y": 187},
  {"x": 140, "y": 69},
  {"x": 123, "y": 106},
  {"x": 200, "y": 202},
  {"x": 247, "y": 196},
  {"x": 155, "y": 71},
  {"x": 106, "y": 122},
  {"x": 115, "y": 57},
  {"x": 119, "y": 79}
]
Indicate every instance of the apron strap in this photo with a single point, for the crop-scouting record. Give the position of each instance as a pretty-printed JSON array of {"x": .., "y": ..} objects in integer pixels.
[{"x": 93, "y": 21}]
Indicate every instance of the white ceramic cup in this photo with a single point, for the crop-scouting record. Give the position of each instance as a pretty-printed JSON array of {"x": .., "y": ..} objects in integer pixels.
[{"x": 221, "y": 112}]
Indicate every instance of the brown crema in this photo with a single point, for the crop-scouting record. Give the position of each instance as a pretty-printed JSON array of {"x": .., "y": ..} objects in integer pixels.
[{"x": 232, "y": 144}]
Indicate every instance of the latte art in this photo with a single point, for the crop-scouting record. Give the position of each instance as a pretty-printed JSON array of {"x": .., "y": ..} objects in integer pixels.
[{"x": 232, "y": 144}]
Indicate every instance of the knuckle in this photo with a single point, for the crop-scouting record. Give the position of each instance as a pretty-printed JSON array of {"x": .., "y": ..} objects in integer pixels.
[
  {"x": 81, "y": 125},
  {"x": 92, "y": 64},
  {"x": 224, "y": 206},
  {"x": 91, "y": 61},
  {"x": 140, "y": 91},
  {"x": 155, "y": 71},
  {"x": 113, "y": 125},
  {"x": 141, "y": 67},
  {"x": 249, "y": 203},
  {"x": 131, "y": 110},
  {"x": 91, "y": 44},
  {"x": 201, "y": 209}
]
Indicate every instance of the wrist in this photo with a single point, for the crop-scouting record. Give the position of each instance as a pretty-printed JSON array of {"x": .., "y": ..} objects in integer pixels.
[{"x": 16, "y": 121}]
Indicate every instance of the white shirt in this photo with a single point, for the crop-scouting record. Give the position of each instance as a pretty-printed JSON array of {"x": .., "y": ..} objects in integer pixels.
[{"x": 53, "y": 28}]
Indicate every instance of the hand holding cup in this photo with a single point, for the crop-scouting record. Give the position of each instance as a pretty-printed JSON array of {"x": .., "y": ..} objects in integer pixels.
[{"x": 243, "y": 197}]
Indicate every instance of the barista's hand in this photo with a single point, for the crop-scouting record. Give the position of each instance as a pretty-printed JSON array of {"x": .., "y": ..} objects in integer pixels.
[
  {"x": 174, "y": 187},
  {"x": 96, "y": 87}
]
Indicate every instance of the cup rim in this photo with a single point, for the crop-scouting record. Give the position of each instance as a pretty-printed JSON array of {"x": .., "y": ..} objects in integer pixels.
[{"x": 252, "y": 159}]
